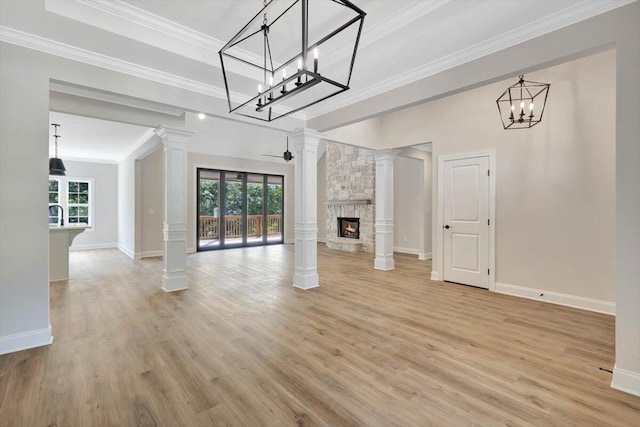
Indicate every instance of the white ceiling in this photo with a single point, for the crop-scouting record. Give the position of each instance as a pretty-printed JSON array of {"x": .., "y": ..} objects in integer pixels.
[
  {"x": 85, "y": 138},
  {"x": 176, "y": 42}
]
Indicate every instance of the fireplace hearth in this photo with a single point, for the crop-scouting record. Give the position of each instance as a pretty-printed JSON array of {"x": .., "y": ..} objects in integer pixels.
[{"x": 349, "y": 228}]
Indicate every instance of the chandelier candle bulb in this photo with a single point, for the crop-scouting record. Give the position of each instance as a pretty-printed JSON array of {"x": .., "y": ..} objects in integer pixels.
[
  {"x": 271, "y": 86},
  {"x": 299, "y": 79},
  {"x": 284, "y": 77},
  {"x": 315, "y": 60}
]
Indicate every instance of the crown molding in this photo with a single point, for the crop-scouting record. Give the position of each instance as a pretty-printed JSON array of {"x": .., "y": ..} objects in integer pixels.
[
  {"x": 63, "y": 50},
  {"x": 143, "y": 139},
  {"x": 137, "y": 24},
  {"x": 571, "y": 15},
  {"x": 112, "y": 98},
  {"x": 91, "y": 160}
]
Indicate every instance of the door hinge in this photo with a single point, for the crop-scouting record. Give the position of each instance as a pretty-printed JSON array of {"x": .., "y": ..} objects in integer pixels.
[
  {"x": 488, "y": 172},
  {"x": 488, "y": 222},
  {"x": 488, "y": 272}
]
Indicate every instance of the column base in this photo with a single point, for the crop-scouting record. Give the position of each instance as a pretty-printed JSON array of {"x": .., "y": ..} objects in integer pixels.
[
  {"x": 384, "y": 264},
  {"x": 626, "y": 381},
  {"x": 308, "y": 281},
  {"x": 175, "y": 283}
]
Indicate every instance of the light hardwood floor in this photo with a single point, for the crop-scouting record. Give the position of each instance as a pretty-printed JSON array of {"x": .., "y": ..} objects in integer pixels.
[{"x": 242, "y": 347}]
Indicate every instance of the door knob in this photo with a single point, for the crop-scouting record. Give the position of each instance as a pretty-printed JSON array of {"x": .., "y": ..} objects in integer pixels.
[{"x": 447, "y": 227}]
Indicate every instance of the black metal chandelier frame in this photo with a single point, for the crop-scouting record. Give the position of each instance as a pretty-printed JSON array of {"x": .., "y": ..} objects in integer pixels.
[
  {"x": 522, "y": 96},
  {"x": 303, "y": 79}
]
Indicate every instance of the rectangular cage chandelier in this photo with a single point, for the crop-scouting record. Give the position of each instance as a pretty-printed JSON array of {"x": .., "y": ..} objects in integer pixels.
[
  {"x": 291, "y": 55},
  {"x": 521, "y": 106}
]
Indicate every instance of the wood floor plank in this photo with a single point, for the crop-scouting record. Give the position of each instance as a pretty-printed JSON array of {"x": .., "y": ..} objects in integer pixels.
[{"x": 242, "y": 347}]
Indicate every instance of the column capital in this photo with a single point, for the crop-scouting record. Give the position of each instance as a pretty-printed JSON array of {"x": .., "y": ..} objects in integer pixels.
[
  {"x": 386, "y": 154},
  {"x": 174, "y": 133},
  {"x": 310, "y": 134}
]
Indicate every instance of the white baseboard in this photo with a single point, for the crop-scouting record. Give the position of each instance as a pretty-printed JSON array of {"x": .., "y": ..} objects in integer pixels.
[
  {"x": 424, "y": 256},
  {"x": 128, "y": 253},
  {"x": 626, "y": 381},
  {"x": 90, "y": 246},
  {"x": 149, "y": 254},
  {"x": 191, "y": 251},
  {"x": 25, "y": 340},
  {"x": 590, "y": 304},
  {"x": 290, "y": 241},
  {"x": 435, "y": 276},
  {"x": 409, "y": 251},
  {"x": 322, "y": 240}
]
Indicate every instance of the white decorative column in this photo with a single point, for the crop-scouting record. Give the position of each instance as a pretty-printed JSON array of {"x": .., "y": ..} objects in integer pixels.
[
  {"x": 305, "y": 146},
  {"x": 174, "y": 277},
  {"x": 384, "y": 209}
]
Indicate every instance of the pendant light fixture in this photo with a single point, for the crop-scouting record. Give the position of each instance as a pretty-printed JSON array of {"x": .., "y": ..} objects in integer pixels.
[
  {"x": 522, "y": 104},
  {"x": 56, "y": 167},
  {"x": 265, "y": 53}
]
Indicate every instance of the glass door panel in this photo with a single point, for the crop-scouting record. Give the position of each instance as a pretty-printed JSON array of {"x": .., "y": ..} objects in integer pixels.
[
  {"x": 238, "y": 209},
  {"x": 255, "y": 209},
  {"x": 233, "y": 209},
  {"x": 275, "y": 204},
  {"x": 208, "y": 209}
]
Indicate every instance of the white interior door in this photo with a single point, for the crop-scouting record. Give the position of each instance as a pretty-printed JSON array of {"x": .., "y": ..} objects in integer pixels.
[{"x": 466, "y": 221}]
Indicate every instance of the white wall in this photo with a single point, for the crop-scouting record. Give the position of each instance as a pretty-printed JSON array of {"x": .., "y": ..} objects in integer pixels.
[
  {"x": 198, "y": 160},
  {"x": 151, "y": 204},
  {"x": 322, "y": 198},
  {"x": 408, "y": 187},
  {"x": 24, "y": 229},
  {"x": 104, "y": 232}
]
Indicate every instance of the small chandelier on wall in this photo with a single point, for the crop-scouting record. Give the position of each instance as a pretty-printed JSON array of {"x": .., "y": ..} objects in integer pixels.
[
  {"x": 291, "y": 55},
  {"x": 522, "y": 104}
]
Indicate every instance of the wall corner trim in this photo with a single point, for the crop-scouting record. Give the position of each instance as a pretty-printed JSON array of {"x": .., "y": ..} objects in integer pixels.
[
  {"x": 600, "y": 306},
  {"x": 626, "y": 381},
  {"x": 25, "y": 340},
  {"x": 128, "y": 253}
]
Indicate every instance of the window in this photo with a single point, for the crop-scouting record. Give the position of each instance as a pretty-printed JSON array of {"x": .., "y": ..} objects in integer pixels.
[
  {"x": 239, "y": 209},
  {"x": 75, "y": 195}
]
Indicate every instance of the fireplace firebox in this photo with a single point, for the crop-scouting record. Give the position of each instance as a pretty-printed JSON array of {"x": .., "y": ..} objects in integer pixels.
[{"x": 349, "y": 228}]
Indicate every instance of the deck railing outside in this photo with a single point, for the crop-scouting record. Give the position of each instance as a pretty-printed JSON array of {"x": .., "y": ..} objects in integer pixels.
[{"x": 233, "y": 226}]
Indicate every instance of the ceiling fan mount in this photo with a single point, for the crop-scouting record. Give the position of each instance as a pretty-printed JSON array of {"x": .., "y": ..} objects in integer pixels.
[{"x": 286, "y": 156}]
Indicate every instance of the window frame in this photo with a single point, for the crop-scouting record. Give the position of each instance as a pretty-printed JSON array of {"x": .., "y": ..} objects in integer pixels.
[{"x": 63, "y": 198}]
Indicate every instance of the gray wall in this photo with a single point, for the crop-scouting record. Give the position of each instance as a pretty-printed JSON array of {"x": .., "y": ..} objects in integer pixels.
[
  {"x": 408, "y": 187},
  {"x": 104, "y": 232},
  {"x": 322, "y": 198},
  {"x": 151, "y": 204},
  {"x": 196, "y": 160}
]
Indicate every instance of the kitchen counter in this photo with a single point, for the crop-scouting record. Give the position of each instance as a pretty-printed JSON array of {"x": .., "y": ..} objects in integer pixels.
[{"x": 60, "y": 238}]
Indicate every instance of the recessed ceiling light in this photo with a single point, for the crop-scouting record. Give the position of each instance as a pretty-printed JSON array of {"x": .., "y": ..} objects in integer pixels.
[{"x": 201, "y": 116}]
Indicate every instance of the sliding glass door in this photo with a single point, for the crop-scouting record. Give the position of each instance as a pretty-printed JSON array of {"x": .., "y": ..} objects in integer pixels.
[{"x": 239, "y": 209}]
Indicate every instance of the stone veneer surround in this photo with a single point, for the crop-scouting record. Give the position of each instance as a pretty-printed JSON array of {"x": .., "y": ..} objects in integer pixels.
[{"x": 351, "y": 175}]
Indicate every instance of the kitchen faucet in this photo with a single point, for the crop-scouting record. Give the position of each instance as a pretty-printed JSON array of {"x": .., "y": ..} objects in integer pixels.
[{"x": 61, "y": 216}]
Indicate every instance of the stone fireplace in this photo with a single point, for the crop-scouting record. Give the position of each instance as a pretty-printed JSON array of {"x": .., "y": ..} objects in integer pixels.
[
  {"x": 349, "y": 228},
  {"x": 350, "y": 195}
]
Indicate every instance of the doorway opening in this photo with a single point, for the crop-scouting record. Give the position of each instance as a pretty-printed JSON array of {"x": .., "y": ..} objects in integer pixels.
[{"x": 236, "y": 209}]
